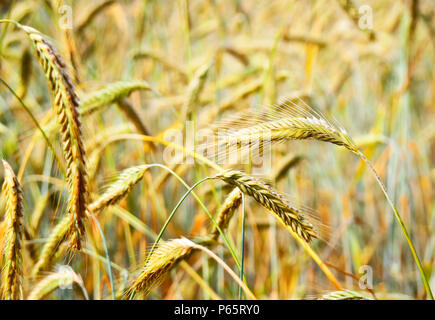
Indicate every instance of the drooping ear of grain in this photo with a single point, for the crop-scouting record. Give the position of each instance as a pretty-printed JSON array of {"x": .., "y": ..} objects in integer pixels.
[
  {"x": 12, "y": 273},
  {"x": 162, "y": 260},
  {"x": 250, "y": 132},
  {"x": 66, "y": 103},
  {"x": 272, "y": 200},
  {"x": 297, "y": 128}
]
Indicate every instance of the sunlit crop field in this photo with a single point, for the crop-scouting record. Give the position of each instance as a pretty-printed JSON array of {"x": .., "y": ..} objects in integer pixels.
[{"x": 217, "y": 149}]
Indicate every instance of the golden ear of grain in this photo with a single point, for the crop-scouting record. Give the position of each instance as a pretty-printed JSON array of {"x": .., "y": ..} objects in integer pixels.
[
  {"x": 122, "y": 186},
  {"x": 297, "y": 128},
  {"x": 64, "y": 276},
  {"x": 250, "y": 132},
  {"x": 272, "y": 200},
  {"x": 344, "y": 295},
  {"x": 226, "y": 211},
  {"x": 67, "y": 107},
  {"x": 12, "y": 273},
  {"x": 164, "y": 257}
]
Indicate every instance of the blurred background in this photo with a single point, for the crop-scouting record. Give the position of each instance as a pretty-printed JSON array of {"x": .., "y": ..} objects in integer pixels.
[{"x": 368, "y": 65}]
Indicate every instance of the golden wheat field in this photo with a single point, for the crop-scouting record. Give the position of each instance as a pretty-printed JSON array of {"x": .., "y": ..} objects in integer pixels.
[{"x": 212, "y": 149}]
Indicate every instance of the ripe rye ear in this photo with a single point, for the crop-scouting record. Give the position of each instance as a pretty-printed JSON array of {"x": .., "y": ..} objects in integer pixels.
[
  {"x": 164, "y": 257},
  {"x": 252, "y": 132},
  {"x": 67, "y": 106},
  {"x": 12, "y": 273},
  {"x": 271, "y": 200}
]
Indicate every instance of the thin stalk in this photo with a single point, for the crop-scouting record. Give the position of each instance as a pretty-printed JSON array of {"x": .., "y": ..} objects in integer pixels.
[
  {"x": 402, "y": 226},
  {"x": 242, "y": 253},
  {"x": 159, "y": 236},
  {"x": 104, "y": 259},
  {"x": 85, "y": 293},
  {"x": 222, "y": 234},
  {"x": 106, "y": 251}
]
